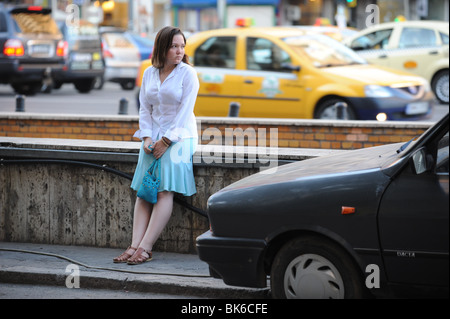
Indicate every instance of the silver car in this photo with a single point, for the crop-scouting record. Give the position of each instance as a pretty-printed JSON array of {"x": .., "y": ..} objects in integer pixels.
[{"x": 122, "y": 58}]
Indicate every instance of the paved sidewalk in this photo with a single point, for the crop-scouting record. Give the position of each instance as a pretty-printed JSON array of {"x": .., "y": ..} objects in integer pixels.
[{"x": 170, "y": 273}]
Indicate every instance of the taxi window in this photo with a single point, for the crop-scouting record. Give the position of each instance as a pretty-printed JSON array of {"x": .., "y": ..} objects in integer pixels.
[
  {"x": 263, "y": 54},
  {"x": 417, "y": 37},
  {"x": 372, "y": 41},
  {"x": 218, "y": 52},
  {"x": 444, "y": 38}
]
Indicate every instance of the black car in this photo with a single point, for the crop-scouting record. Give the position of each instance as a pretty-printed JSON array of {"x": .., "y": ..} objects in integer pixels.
[
  {"x": 84, "y": 64},
  {"x": 31, "y": 48},
  {"x": 367, "y": 222}
]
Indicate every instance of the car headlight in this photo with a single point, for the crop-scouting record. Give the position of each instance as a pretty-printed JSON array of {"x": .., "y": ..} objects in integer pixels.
[{"x": 377, "y": 91}]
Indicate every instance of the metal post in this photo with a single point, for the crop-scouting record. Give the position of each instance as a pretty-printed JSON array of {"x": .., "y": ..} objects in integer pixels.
[
  {"x": 20, "y": 103},
  {"x": 234, "y": 109},
  {"x": 123, "y": 106},
  {"x": 341, "y": 110}
]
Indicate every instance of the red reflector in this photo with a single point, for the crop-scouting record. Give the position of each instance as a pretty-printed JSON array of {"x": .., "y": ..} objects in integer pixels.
[
  {"x": 34, "y": 8},
  {"x": 348, "y": 210}
]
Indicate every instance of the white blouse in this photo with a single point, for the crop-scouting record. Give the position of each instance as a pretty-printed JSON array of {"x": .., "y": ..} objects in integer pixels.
[{"x": 167, "y": 109}]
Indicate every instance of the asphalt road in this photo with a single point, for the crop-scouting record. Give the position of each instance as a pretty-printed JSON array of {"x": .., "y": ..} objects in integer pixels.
[{"x": 67, "y": 100}]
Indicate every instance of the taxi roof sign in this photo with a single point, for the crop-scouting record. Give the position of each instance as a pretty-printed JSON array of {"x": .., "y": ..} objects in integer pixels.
[{"x": 245, "y": 22}]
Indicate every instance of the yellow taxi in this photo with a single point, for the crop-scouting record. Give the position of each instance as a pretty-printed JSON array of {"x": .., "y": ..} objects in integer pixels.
[
  {"x": 419, "y": 47},
  {"x": 284, "y": 72}
]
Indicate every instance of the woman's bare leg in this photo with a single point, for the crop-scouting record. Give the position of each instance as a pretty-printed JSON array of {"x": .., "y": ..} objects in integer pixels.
[
  {"x": 160, "y": 216},
  {"x": 142, "y": 213}
]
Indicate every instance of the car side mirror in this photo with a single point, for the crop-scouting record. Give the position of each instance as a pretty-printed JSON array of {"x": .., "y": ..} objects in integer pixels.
[{"x": 421, "y": 162}]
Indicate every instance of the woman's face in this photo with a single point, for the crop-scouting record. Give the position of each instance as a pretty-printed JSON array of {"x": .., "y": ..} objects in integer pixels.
[{"x": 176, "y": 51}]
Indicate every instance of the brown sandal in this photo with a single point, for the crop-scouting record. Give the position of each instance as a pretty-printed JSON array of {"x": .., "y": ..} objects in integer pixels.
[
  {"x": 139, "y": 258},
  {"x": 123, "y": 258}
]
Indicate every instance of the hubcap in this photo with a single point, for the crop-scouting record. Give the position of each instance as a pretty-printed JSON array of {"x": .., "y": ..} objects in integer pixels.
[
  {"x": 442, "y": 88},
  {"x": 312, "y": 276}
]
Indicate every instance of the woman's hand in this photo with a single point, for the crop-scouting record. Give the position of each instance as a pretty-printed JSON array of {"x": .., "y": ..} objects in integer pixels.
[
  {"x": 148, "y": 147},
  {"x": 159, "y": 148}
]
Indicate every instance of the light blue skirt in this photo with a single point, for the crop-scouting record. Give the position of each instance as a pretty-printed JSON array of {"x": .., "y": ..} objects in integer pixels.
[{"x": 177, "y": 173}]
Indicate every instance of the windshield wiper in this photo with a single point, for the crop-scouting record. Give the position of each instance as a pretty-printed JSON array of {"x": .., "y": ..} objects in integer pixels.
[{"x": 404, "y": 146}]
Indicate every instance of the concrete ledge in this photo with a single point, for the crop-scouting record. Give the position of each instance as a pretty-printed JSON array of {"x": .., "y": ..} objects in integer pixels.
[
  {"x": 128, "y": 151},
  {"x": 222, "y": 120}
]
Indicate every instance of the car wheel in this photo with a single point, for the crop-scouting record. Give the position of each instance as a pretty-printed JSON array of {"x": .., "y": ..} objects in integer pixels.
[
  {"x": 30, "y": 88},
  {"x": 440, "y": 86},
  {"x": 99, "y": 82},
  {"x": 314, "y": 268},
  {"x": 128, "y": 85},
  {"x": 57, "y": 85},
  {"x": 329, "y": 110},
  {"x": 84, "y": 86}
]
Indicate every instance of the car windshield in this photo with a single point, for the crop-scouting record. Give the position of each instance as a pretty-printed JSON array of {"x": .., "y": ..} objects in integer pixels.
[
  {"x": 35, "y": 22},
  {"x": 322, "y": 51}
]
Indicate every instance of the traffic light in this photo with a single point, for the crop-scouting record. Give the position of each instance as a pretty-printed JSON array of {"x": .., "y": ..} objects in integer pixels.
[{"x": 351, "y": 3}]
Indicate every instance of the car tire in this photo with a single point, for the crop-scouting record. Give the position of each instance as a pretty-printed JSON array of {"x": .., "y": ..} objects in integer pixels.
[
  {"x": 29, "y": 88},
  {"x": 84, "y": 86},
  {"x": 327, "y": 110},
  {"x": 128, "y": 85},
  {"x": 315, "y": 268},
  {"x": 99, "y": 82},
  {"x": 439, "y": 86}
]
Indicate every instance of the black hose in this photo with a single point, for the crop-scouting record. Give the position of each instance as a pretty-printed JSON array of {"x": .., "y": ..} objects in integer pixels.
[{"x": 177, "y": 199}]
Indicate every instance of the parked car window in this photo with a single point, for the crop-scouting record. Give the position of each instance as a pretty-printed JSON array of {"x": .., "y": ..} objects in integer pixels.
[
  {"x": 35, "y": 23},
  {"x": 263, "y": 54},
  {"x": 85, "y": 35},
  {"x": 3, "y": 27},
  {"x": 417, "y": 37},
  {"x": 117, "y": 40},
  {"x": 444, "y": 38},
  {"x": 323, "y": 51},
  {"x": 219, "y": 52},
  {"x": 375, "y": 40}
]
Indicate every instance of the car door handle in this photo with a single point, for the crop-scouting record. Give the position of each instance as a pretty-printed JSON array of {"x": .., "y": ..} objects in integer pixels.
[
  {"x": 383, "y": 56},
  {"x": 433, "y": 52},
  {"x": 248, "y": 81}
]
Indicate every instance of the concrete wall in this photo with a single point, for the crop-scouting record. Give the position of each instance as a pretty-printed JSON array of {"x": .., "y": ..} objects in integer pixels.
[
  {"x": 290, "y": 133},
  {"x": 73, "y": 204}
]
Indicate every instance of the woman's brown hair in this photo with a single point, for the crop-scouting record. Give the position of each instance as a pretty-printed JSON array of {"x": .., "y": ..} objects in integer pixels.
[{"x": 163, "y": 42}]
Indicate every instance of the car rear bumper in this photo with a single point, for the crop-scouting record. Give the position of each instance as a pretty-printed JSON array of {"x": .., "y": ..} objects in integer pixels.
[
  {"x": 15, "y": 71},
  {"x": 119, "y": 73},
  {"x": 238, "y": 261},
  {"x": 395, "y": 108},
  {"x": 68, "y": 75}
]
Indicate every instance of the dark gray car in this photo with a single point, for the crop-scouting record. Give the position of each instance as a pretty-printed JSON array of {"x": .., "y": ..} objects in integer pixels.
[
  {"x": 31, "y": 48},
  {"x": 373, "y": 220},
  {"x": 84, "y": 64}
]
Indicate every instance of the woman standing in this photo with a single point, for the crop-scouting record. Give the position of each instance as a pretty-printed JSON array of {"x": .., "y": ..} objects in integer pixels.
[{"x": 168, "y": 130}]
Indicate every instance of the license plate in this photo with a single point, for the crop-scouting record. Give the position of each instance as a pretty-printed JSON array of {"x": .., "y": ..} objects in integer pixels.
[
  {"x": 40, "y": 49},
  {"x": 416, "y": 108},
  {"x": 80, "y": 65},
  {"x": 82, "y": 57}
]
